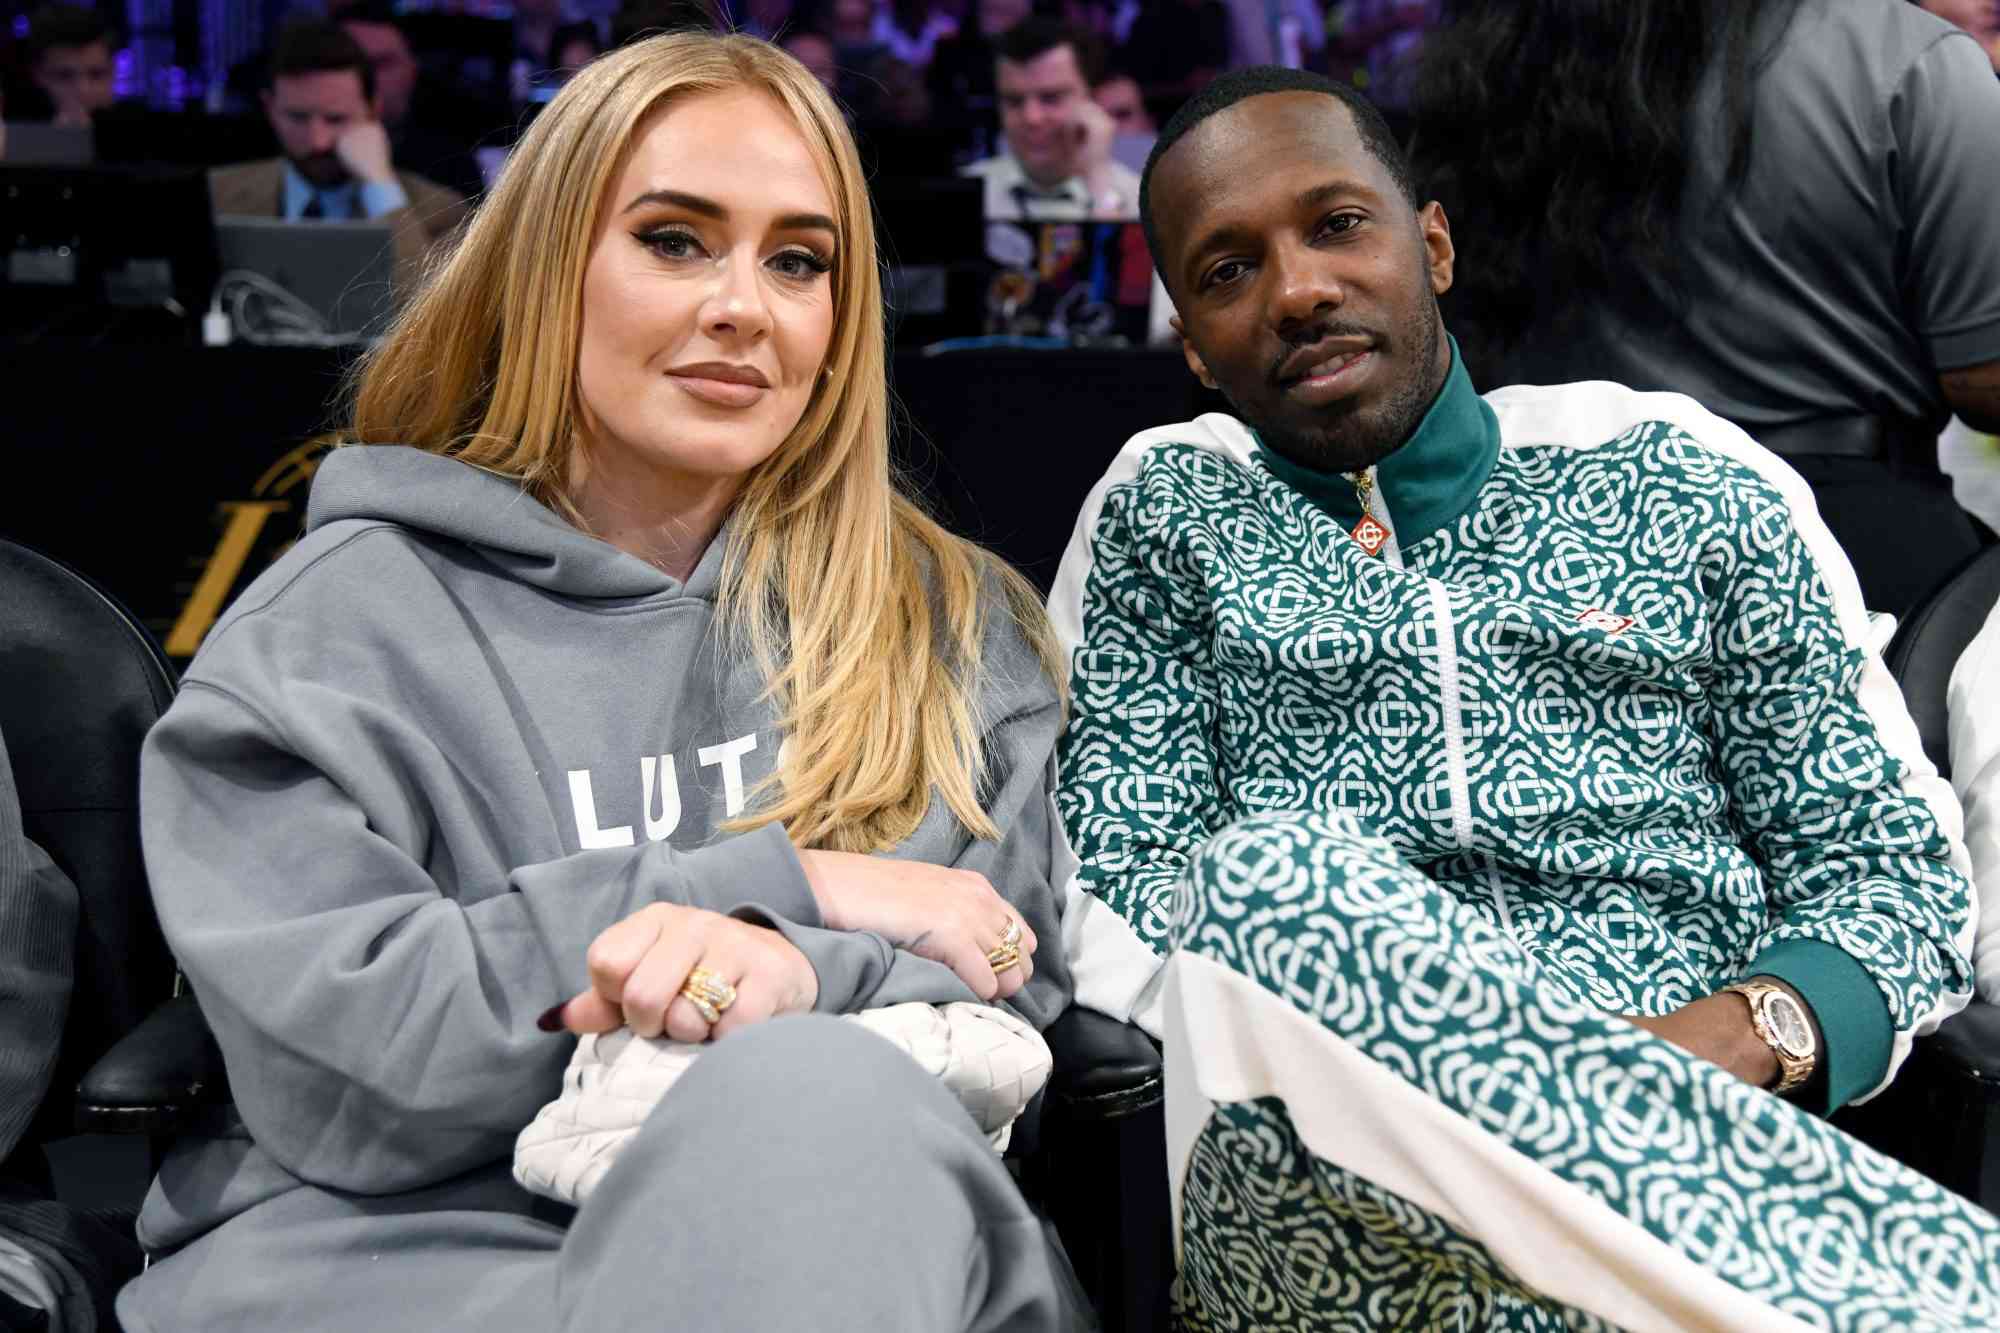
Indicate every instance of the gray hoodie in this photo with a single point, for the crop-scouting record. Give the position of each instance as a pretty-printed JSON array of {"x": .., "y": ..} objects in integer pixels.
[{"x": 422, "y": 762}]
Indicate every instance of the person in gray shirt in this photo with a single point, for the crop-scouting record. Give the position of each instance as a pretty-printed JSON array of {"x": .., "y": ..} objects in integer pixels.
[
  {"x": 612, "y": 684},
  {"x": 1786, "y": 210}
]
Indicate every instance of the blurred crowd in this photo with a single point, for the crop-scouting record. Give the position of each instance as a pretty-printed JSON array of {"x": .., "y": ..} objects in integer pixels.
[
  {"x": 453, "y": 80},
  {"x": 403, "y": 114},
  {"x": 1042, "y": 111},
  {"x": 1041, "y": 98},
  {"x": 463, "y": 76}
]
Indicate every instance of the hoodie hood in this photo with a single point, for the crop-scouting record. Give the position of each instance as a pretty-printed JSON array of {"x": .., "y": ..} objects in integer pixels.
[{"x": 495, "y": 516}]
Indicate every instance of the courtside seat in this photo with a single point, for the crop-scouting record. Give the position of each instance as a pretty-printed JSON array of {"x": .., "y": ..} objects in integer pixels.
[{"x": 1942, "y": 1114}]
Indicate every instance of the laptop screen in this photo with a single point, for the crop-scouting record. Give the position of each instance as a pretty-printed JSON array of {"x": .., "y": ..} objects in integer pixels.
[{"x": 316, "y": 279}]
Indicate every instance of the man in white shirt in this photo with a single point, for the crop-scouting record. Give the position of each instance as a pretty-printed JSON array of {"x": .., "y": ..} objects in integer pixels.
[
  {"x": 1058, "y": 165},
  {"x": 1974, "y": 704}
]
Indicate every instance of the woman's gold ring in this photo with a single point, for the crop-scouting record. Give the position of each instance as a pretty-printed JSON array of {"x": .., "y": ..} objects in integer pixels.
[
  {"x": 1007, "y": 953},
  {"x": 708, "y": 993}
]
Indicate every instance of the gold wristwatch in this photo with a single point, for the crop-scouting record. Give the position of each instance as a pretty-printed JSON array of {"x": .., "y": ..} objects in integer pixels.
[{"x": 1782, "y": 1023}]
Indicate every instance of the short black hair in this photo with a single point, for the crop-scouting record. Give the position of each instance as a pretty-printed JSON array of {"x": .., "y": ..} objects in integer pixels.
[
  {"x": 64, "y": 26},
  {"x": 320, "y": 46},
  {"x": 1034, "y": 37},
  {"x": 1254, "y": 81}
]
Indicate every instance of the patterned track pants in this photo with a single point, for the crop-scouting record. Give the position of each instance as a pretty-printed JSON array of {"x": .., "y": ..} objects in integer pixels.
[{"x": 1382, "y": 1114}]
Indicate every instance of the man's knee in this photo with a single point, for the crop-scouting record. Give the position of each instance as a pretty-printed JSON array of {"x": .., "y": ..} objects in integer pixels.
[{"x": 1286, "y": 862}]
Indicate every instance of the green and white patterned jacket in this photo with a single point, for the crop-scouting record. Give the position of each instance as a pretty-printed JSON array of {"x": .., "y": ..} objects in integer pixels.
[{"x": 1609, "y": 680}]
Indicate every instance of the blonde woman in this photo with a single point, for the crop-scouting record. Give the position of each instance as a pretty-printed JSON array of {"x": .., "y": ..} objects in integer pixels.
[{"x": 613, "y": 683}]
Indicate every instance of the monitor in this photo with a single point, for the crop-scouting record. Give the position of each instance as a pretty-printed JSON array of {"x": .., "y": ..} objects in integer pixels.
[
  {"x": 342, "y": 273},
  {"x": 31, "y": 143},
  {"x": 929, "y": 219},
  {"x": 930, "y": 230},
  {"x": 90, "y": 250}
]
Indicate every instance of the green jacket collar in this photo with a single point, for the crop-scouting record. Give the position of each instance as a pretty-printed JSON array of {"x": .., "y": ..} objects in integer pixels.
[{"x": 1429, "y": 481}]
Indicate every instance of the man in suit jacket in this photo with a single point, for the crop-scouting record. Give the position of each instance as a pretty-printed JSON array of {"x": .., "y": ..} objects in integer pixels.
[{"x": 337, "y": 163}]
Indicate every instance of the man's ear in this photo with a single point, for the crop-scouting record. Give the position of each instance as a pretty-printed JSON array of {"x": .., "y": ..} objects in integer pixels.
[
  {"x": 1436, "y": 229},
  {"x": 1195, "y": 364}
]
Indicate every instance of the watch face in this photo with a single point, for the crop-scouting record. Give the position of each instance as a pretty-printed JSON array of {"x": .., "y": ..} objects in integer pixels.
[{"x": 1788, "y": 1024}]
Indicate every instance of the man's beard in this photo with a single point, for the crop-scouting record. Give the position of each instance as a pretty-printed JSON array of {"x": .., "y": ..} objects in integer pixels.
[
  {"x": 1348, "y": 439},
  {"x": 322, "y": 171}
]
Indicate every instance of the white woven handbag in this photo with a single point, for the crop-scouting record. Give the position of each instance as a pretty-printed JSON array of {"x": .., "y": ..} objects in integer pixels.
[{"x": 989, "y": 1057}]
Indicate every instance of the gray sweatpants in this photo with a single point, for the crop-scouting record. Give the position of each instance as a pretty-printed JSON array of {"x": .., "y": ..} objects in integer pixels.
[{"x": 803, "y": 1174}]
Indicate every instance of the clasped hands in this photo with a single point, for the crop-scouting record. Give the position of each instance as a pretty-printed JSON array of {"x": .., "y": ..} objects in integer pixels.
[{"x": 639, "y": 965}]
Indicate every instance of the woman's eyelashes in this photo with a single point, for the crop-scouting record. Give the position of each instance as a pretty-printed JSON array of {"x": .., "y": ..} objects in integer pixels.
[
  {"x": 671, "y": 242},
  {"x": 677, "y": 244}
]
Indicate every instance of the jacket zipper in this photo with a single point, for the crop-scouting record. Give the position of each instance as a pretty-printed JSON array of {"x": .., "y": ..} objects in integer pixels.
[{"x": 1457, "y": 773}]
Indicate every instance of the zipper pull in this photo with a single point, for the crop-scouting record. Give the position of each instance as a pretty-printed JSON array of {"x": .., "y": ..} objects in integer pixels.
[{"x": 1368, "y": 533}]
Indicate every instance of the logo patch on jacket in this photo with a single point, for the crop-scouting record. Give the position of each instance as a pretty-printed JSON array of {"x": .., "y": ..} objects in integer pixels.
[{"x": 1370, "y": 534}]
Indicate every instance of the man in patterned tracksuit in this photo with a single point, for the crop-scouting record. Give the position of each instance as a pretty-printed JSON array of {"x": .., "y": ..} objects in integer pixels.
[{"x": 1458, "y": 754}]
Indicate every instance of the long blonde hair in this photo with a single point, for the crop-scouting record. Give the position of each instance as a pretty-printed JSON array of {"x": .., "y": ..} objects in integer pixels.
[{"x": 864, "y": 615}]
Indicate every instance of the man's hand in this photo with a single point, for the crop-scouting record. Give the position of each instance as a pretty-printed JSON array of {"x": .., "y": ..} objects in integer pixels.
[
  {"x": 364, "y": 150},
  {"x": 1717, "y": 1028},
  {"x": 1094, "y": 130}
]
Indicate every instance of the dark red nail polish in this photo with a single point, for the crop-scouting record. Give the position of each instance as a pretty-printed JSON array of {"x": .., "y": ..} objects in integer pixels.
[{"x": 551, "y": 1021}]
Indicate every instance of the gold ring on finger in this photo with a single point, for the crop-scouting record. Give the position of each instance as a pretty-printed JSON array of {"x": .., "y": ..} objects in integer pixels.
[
  {"x": 1012, "y": 935},
  {"x": 711, "y": 987},
  {"x": 709, "y": 993},
  {"x": 1013, "y": 959}
]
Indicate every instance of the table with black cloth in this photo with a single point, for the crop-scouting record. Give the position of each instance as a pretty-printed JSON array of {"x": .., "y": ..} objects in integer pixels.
[{"x": 173, "y": 474}]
